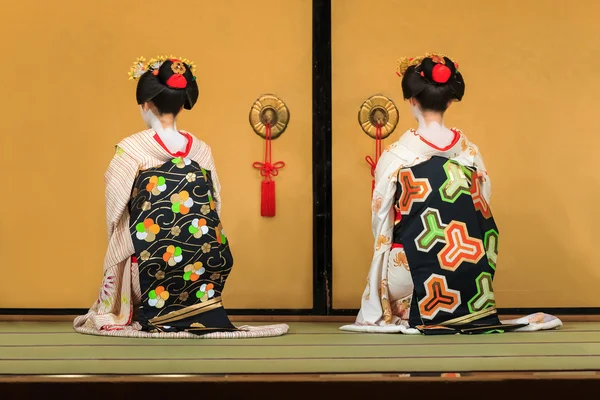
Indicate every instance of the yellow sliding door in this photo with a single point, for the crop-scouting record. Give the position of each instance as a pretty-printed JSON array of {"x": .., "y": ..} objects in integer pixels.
[
  {"x": 530, "y": 105},
  {"x": 66, "y": 101}
]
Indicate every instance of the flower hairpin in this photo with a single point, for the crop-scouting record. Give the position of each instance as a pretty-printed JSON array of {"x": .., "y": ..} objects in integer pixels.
[
  {"x": 140, "y": 66},
  {"x": 406, "y": 62}
]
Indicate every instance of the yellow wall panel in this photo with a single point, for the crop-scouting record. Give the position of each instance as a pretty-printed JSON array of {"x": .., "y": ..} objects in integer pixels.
[
  {"x": 531, "y": 101},
  {"x": 66, "y": 102}
]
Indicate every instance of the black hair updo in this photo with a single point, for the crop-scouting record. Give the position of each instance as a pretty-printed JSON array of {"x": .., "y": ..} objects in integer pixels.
[
  {"x": 433, "y": 83},
  {"x": 169, "y": 88}
]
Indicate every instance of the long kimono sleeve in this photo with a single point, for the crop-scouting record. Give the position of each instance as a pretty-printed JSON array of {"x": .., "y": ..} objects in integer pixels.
[
  {"x": 207, "y": 161},
  {"x": 118, "y": 182},
  {"x": 114, "y": 308},
  {"x": 486, "y": 184},
  {"x": 375, "y": 306}
]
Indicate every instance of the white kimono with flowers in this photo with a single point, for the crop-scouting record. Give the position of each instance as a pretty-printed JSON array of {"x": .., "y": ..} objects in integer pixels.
[{"x": 386, "y": 300}]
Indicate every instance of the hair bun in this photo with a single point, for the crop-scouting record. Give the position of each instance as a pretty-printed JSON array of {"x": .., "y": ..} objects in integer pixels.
[
  {"x": 437, "y": 69},
  {"x": 169, "y": 82},
  {"x": 432, "y": 74},
  {"x": 174, "y": 74}
]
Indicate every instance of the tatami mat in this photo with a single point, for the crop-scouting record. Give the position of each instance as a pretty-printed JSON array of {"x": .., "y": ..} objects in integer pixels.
[{"x": 54, "y": 348}]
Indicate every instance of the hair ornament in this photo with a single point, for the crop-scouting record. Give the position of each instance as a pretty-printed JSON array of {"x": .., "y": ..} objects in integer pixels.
[
  {"x": 177, "y": 81},
  {"x": 406, "y": 62},
  {"x": 140, "y": 66},
  {"x": 178, "y": 67}
]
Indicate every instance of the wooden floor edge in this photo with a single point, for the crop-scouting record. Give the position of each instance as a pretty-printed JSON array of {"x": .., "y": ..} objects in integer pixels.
[
  {"x": 364, "y": 377},
  {"x": 272, "y": 318}
]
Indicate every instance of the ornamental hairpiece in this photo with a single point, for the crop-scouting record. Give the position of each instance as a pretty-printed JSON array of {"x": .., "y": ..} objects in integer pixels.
[
  {"x": 406, "y": 62},
  {"x": 140, "y": 66}
]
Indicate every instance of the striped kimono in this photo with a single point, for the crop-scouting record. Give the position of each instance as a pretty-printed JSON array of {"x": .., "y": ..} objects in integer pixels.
[{"x": 182, "y": 267}]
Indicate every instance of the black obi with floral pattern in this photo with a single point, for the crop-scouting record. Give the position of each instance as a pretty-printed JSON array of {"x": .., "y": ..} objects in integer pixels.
[{"x": 181, "y": 248}]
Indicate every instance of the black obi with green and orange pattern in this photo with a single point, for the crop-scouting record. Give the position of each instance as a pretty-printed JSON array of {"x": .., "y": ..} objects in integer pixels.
[
  {"x": 451, "y": 243},
  {"x": 181, "y": 249}
]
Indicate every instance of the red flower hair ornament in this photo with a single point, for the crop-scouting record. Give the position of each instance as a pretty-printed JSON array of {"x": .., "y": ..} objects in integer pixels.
[
  {"x": 441, "y": 73},
  {"x": 177, "y": 81}
]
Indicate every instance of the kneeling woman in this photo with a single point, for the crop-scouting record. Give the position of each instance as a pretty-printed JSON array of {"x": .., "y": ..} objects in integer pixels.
[
  {"x": 168, "y": 255},
  {"x": 436, "y": 241}
]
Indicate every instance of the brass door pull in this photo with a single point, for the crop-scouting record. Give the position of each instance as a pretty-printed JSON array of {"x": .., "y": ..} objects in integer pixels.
[
  {"x": 378, "y": 110},
  {"x": 269, "y": 109}
]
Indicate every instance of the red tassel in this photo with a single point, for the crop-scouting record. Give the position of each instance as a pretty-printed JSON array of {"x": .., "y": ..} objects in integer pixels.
[
  {"x": 267, "y": 199},
  {"x": 268, "y": 171},
  {"x": 378, "y": 151}
]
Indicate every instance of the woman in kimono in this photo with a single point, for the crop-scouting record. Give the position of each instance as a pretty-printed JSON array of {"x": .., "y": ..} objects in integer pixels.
[
  {"x": 168, "y": 255},
  {"x": 436, "y": 240}
]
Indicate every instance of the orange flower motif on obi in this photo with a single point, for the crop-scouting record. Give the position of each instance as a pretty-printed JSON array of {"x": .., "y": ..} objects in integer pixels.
[
  {"x": 181, "y": 203},
  {"x": 173, "y": 255},
  {"x": 198, "y": 228},
  {"x": 157, "y": 297},
  {"x": 381, "y": 241},
  {"x": 156, "y": 185},
  {"x": 206, "y": 291},
  {"x": 376, "y": 203},
  {"x": 147, "y": 230},
  {"x": 192, "y": 272}
]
